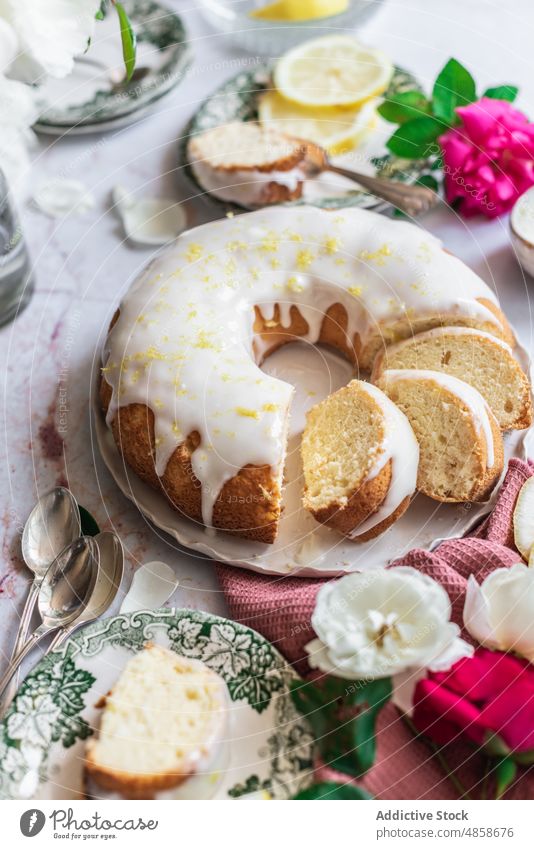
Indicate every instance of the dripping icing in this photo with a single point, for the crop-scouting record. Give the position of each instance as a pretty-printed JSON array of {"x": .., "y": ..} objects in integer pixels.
[{"x": 183, "y": 341}]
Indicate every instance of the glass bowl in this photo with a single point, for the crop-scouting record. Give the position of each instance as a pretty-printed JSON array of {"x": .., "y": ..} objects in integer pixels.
[{"x": 272, "y": 38}]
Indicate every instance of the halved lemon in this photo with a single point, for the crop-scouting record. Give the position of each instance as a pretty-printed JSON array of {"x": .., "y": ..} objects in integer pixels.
[
  {"x": 335, "y": 70},
  {"x": 524, "y": 520},
  {"x": 300, "y": 10},
  {"x": 337, "y": 129}
]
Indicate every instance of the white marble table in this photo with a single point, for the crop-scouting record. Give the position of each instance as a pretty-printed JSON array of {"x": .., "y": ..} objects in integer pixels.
[{"x": 83, "y": 264}]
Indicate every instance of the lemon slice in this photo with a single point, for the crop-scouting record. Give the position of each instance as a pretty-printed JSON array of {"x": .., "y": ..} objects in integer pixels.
[
  {"x": 335, "y": 70},
  {"x": 524, "y": 520},
  {"x": 300, "y": 10},
  {"x": 337, "y": 129}
]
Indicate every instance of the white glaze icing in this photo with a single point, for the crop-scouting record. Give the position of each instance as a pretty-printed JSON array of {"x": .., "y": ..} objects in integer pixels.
[
  {"x": 183, "y": 344},
  {"x": 468, "y": 395},
  {"x": 439, "y": 332},
  {"x": 246, "y": 186},
  {"x": 401, "y": 447}
]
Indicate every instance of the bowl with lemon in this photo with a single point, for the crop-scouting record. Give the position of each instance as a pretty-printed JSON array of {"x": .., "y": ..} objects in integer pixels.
[
  {"x": 270, "y": 27},
  {"x": 325, "y": 91}
]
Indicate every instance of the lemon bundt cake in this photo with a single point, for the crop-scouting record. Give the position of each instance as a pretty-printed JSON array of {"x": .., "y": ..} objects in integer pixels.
[
  {"x": 248, "y": 164},
  {"x": 478, "y": 358},
  {"x": 163, "y": 722},
  {"x": 461, "y": 451},
  {"x": 191, "y": 410},
  {"x": 360, "y": 460}
]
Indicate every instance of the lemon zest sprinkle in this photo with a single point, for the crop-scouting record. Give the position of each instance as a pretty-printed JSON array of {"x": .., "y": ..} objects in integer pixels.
[
  {"x": 304, "y": 259},
  {"x": 247, "y": 413},
  {"x": 194, "y": 252}
]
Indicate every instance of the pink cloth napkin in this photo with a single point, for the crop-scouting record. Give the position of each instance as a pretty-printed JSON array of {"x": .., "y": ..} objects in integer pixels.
[{"x": 281, "y": 609}]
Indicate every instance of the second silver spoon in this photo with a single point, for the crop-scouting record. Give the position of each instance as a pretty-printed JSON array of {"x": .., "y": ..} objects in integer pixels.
[
  {"x": 65, "y": 591},
  {"x": 106, "y": 587}
]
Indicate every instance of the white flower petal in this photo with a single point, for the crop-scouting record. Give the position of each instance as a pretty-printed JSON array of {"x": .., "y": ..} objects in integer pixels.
[
  {"x": 380, "y": 623},
  {"x": 149, "y": 221},
  {"x": 59, "y": 197},
  {"x": 50, "y": 34},
  {"x": 453, "y": 652},
  {"x": 476, "y": 615},
  {"x": 499, "y": 612}
]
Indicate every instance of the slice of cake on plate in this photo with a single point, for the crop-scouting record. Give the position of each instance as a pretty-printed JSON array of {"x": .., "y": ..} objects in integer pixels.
[
  {"x": 360, "y": 460},
  {"x": 460, "y": 442},
  {"x": 163, "y": 722},
  {"x": 478, "y": 358},
  {"x": 248, "y": 164}
]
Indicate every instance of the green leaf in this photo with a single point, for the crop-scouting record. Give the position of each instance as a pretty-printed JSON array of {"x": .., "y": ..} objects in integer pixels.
[
  {"x": 101, "y": 14},
  {"x": 505, "y": 773},
  {"x": 454, "y": 87},
  {"x": 129, "y": 41},
  {"x": 89, "y": 526},
  {"x": 502, "y": 92},
  {"x": 327, "y": 790},
  {"x": 416, "y": 139},
  {"x": 72, "y": 729},
  {"x": 429, "y": 181},
  {"x": 345, "y": 742},
  {"x": 404, "y": 106},
  {"x": 373, "y": 696}
]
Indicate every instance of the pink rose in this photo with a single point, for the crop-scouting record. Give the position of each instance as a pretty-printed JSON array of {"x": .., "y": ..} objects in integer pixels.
[
  {"x": 489, "y": 159},
  {"x": 488, "y": 699}
]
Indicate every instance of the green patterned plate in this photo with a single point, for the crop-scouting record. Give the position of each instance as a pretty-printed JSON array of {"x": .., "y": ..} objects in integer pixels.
[
  {"x": 237, "y": 100},
  {"x": 42, "y": 736},
  {"x": 88, "y": 100}
]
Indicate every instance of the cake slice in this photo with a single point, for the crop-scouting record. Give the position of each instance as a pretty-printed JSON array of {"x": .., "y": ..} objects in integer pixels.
[
  {"x": 460, "y": 442},
  {"x": 162, "y": 722},
  {"x": 360, "y": 460},
  {"x": 478, "y": 358},
  {"x": 247, "y": 164}
]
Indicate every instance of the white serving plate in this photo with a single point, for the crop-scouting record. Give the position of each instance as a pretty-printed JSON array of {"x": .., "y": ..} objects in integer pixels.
[{"x": 303, "y": 547}]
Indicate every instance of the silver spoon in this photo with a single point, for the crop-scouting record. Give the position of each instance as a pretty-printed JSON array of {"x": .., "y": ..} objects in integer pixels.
[
  {"x": 105, "y": 589},
  {"x": 64, "y": 593},
  {"x": 52, "y": 525},
  {"x": 413, "y": 200},
  {"x": 151, "y": 586}
]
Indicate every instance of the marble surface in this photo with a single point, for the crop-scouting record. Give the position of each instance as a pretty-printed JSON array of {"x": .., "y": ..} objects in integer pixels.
[{"x": 82, "y": 266}]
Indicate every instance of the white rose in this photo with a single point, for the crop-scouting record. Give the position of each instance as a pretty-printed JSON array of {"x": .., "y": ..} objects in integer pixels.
[
  {"x": 499, "y": 613},
  {"x": 382, "y": 622},
  {"x": 49, "y": 34}
]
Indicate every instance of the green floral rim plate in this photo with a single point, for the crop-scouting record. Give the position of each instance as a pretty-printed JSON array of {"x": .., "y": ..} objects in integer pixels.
[
  {"x": 237, "y": 100},
  {"x": 88, "y": 101},
  {"x": 42, "y": 736}
]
